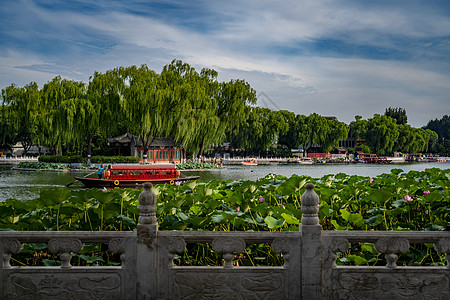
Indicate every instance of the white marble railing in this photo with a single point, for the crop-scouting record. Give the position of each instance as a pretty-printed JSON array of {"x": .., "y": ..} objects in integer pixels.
[{"x": 147, "y": 269}]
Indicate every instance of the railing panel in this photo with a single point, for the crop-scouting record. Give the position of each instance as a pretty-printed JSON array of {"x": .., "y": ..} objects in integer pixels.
[
  {"x": 384, "y": 282},
  {"x": 229, "y": 281},
  {"x": 67, "y": 281},
  {"x": 58, "y": 283}
]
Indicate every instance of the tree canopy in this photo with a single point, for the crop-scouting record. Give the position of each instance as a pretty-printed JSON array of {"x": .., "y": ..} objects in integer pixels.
[{"x": 194, "y": 108}]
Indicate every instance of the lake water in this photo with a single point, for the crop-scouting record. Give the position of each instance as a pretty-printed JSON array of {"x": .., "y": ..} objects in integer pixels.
[{"x": 25, "y": 185}]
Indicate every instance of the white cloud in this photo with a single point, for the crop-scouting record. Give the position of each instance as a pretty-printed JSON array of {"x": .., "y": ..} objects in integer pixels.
[{"x": 240, "y": 41}]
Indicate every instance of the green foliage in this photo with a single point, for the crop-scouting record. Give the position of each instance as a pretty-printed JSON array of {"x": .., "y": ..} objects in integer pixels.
[
  {"x": 399, "y": 114},
  {"x": 115, "y": 159},
  {"x": 442, "y": 128},
  {"x": 94, "y": 159},
  {"x": 192, "y": 165},
  {"x": 61, "y": 159},
  {"x": 42, "y": 166},
  {"x": 417, "y": 200}
]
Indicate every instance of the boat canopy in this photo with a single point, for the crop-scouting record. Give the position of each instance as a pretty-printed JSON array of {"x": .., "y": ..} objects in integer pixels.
[
  {"x": 142, "y": 172},
  {"x": 143, "y": 166}
]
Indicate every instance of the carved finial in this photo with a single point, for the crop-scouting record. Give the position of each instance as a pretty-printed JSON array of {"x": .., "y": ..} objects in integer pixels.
[
  {"x": 147, "y": 205},
  {"x": 310, "y": 206}
]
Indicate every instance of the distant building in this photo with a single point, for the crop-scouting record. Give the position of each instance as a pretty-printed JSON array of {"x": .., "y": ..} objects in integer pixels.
[{"x": 161, "y": 149}]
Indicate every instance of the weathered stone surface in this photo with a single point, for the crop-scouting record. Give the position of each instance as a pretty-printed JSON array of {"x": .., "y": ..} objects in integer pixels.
[
  {"x": 10, "y": 246},
  {"x": 64, "y": 286},
  {"x": 147, "y": 205},
  {"x": 391, "y": 246},
  {"x": 310, "y": 206},
  {"x": 65, "y": 246},
  {"x": 228, "y": 246},
  {"x": 391, "y": 285},
  {"x": 228, "y": 285}
]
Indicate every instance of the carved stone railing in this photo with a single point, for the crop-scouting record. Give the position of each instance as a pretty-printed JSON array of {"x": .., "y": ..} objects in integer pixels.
[
  {"x": 279, "y": 282},
  {"x": 148, "y": 270},
  {"x": 390, "y": 281},
  {"x": 67, "y": 281}
]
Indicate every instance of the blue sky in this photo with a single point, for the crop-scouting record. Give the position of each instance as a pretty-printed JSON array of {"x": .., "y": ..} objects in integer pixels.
[{"x": 335, "y": 58}]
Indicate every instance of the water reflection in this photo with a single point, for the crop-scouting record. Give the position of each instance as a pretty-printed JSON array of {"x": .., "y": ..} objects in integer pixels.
[{"x": 24, "y": 185}]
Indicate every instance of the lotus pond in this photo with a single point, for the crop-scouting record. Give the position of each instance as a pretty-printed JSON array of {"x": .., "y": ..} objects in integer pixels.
[{"x": 414, "y": 200}]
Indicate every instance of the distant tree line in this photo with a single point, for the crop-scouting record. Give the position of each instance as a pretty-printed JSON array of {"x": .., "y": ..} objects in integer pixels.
[{"x": 199, "y": 112}]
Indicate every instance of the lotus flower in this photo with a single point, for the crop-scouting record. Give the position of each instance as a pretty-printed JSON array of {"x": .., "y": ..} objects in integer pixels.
[{"x": 408, "y": 198}]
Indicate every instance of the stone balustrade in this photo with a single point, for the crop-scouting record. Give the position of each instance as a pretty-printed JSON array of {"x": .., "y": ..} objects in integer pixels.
[{"x": 148, "y": 270}]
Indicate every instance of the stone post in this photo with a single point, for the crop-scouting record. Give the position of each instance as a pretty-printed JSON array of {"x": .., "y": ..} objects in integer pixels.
[
  {"x": 147, "y": 232},
  {"x": 311, "y": 243}
]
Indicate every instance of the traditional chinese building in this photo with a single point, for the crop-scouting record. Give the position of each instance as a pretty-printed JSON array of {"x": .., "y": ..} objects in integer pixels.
[{"x": 161, "y": 149}]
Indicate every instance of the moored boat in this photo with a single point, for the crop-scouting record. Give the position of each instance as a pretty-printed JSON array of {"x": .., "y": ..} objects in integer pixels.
[
  {"x": 250, "y": 162},
  {"x": 135, "y": 175},
  {"x": 376, "y": 160},
  {"x": 306, "y": 161}
]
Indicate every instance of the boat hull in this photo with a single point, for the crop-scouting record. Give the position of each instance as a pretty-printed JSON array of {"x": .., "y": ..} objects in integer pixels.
[
  {"x": 247, "y": 163},
  {"x": 90, "y": 182}
]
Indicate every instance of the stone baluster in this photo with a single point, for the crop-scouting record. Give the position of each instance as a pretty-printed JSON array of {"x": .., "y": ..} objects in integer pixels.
[
  {"x": 118, "y": 246},
  {"x": 228, "y": 246},
  {"x": 311, "y": 243},
  {"x": 10, "y": 246},
  {"x": 443, "y": 246},
  {"x": 148, "y": 225},
  {"x": 282, "y": 246},
  {"x": 147, "y": 233},
  {"x": 176, "y": 245},
  {"x": 339, "y": 244},
  {"x": 65, "y": 246},
  {"x": 390, "y": 247}
]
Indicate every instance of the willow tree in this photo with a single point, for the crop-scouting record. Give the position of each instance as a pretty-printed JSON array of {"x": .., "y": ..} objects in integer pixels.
[
  {"x": 382, "y": 133},
  {"x": 100, "y": 111},
  {"x": 358, "y": 128},
  {"x": 317, "y": 129},
  {"x": 7, "y": 134},
  {"x": 433, "y": 142},
  {"x": 191, "y": 106},
  {"x": 337, "y": 131},
  {"x": 290, "y": 138},
  {"x": 248, "y": 137},
  {"x": 412, "y": 140},
  {"x": 21, "y": 109},
  {"x": 233, "y": 98},
  {"x": 204, "y": 108},
  {"x": 143, "y": 105},
  {"x": 58, "y": 109}
]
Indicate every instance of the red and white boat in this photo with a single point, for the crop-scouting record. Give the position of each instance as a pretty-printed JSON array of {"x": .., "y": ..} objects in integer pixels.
[
  {"x": 135, "y": 175},
  {"x": 250, "y": 162},
  {"x": 306, "y": 161}
]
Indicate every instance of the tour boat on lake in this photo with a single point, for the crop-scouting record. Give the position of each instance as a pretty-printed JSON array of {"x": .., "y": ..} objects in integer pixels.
[
  {"x": 306, "y": 161},
  {"x": 135, "y": 175},
  {"x": 250, "y": 162}
]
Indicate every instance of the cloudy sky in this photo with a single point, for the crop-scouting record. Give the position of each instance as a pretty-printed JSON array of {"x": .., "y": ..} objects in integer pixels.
[{"x": 335, "y": 58}]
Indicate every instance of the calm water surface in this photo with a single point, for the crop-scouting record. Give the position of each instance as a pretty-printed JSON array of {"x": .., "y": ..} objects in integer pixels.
[{"x": 25, "y": 185}]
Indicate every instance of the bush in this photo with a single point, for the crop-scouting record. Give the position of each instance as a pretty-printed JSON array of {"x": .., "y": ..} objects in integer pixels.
[
  {"x": 114, "y": 159},
  {"x": 94, "y": 159},
  {"x": 62, "y": 159}
]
